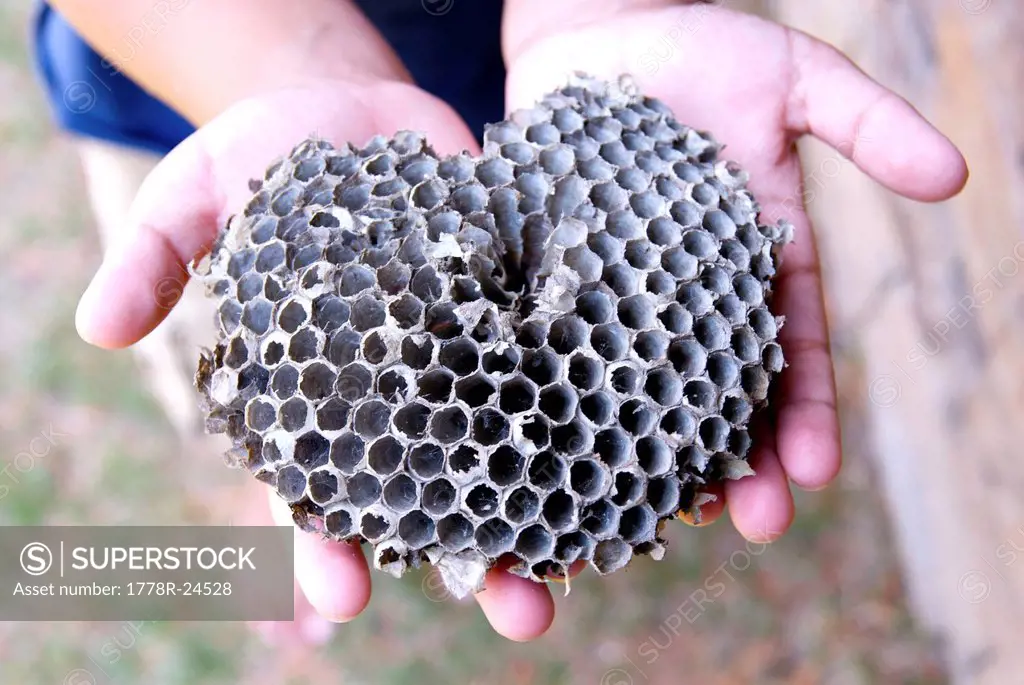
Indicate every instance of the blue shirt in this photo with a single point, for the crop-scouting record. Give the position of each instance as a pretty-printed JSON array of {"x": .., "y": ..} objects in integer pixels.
[{"x": 451, "y": 47}]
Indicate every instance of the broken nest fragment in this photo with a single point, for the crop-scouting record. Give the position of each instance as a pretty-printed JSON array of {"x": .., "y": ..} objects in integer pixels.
[{"x": 544, "y": 352}]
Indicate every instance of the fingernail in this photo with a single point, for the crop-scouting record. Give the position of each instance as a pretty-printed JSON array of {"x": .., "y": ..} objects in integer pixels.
[{"x": 691, "y": 520}]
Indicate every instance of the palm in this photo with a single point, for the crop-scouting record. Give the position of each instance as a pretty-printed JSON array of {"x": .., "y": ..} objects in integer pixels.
[{"x": 757, "y": 86}]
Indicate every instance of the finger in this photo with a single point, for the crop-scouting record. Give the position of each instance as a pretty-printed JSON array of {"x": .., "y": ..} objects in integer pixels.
[
  {"x": 881, "y": 132},
  {"x": 761, "y": 506},
  {"x": 517, "y": 608},
  {"x": 333, "y": 575},
  {"x": 307, "y": 626},
  {"x": 808, "y": 435},
  {"x": 191, "y": 193}
]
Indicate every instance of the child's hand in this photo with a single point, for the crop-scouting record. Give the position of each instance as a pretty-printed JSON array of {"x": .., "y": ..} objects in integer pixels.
[
  {"x": 757, "y": 87},
  {"x": 179, "y": 210}
]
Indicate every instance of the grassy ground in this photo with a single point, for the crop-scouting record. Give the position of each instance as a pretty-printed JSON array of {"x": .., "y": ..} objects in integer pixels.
[{"x": 824, "y": 605}]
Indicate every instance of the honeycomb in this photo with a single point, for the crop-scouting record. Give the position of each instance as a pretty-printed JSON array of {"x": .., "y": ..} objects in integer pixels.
[{"x": 540, "y": 354}]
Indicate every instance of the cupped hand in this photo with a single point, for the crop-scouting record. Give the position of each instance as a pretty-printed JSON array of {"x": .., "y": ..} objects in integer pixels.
[
  {"x": 757, "y": 87},
  {"x": 177, "y": 214}
]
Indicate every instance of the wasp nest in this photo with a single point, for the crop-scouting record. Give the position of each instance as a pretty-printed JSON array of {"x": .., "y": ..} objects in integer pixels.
[{"x": 544, "y": 352}]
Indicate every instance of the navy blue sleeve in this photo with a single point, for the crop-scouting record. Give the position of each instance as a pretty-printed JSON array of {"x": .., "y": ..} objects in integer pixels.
[{"x": 452, "y": 48}]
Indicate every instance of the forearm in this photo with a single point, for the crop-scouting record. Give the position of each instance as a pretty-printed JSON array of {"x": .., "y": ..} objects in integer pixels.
[{"x": 201, "y": 56}]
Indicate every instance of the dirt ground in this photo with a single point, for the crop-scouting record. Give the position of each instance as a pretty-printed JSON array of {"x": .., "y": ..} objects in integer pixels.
[{"x": 823, "y": 605}]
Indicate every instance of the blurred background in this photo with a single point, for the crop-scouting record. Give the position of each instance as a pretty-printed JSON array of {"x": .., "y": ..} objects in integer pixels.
[{"x": 901, "y": 573}]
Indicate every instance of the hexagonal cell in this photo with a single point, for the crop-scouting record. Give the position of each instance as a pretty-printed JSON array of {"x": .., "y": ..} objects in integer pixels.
[
  {"x": 663, "y": 494},
  {"x": 436, "y": 386},
  {"x": 411, "y": 420},
  {"x": 610, "y": 340},
  {"x": 333, "y": 414},
  {"x": 304, "y": 345},
  {"x": 375, "y": 525},
  {"x": 558, "y": 510},
  {"x": 490, "y": 427},
  {"x": 501, "y": 360},
  {"x": 613, "y": 446},
  {"x": 393, "y": 277},
  {"x": 573, "y": 546},
  {"x": 347, "y": 453},
  {"x": 323, "y": 486},
  {"x": 406, "y": 311},
  {"x": 475, "y": 391},
  {"x": 416, "y": 529},
  {"x": 676, "y": 319},
  {"x": 542, "y": 366},
  {"x": 628, "y": 488},
  {"x": 463, "y": 459},
  {"x": 482, "y": 500},
  {"x": 354, "y": 383},
  {"x": 595, "y": 307},
  {"x": 449, "y": 425},
  {"x": 438, "y": 497},
  {"x": 623, "y": 279},
  {"x": 624, "y": 379},
  {"x": 637, "y": 417},
  {"x": 723, "y": 370},
  {"x": 371, "y": 419},
  {"x": 654, "y": 455},
  {"x": 546, "y": 471},
  {"x": 339, "y": 523},
  {"x": 558, "y": 402},
  {"x": 385, "y": 455},
  {"x": 534, "y": 428},
  {"x": 363, "y": 489},
  {"x": 637, "y": 312},
  {"x": 237, "y": 354},
  {"x": 311, "y": 450},
  {"x": 588, "y": 479},
  {"x": 736, "y": 410},
  {"x": 535, "y": 543},
  {"x": 739, "y": 443},
  {"x": 273, "y": 351},
  {"x": 455, "y": 532},
  {"x": 230, "y": 315},
  {"x": 531, "y": 334},
  {"x": 611, "y": 555},
  {"x": 660, "y": 283},
  {"x": 260, "y": 415},
  {"x": 505, "y": 466},
  {"x": 367, "y": 313},
  {"x": 585, "y": 372},
  {"x": 426, "y": 460},
  {"x": 638, "y": 524},
  {"x": 522, "y": 505},
  {"x": 772, "y": 357},
  {"x": 494, "y": 537},
  {"x": 291, "y": 316},
  {"x": 664, "y": 386},
  {"x": 270, "y": 257},
  {"x": 713, "y": 332},
  {"x": 601, "y": 518},
  {"x": 700, "y": 394},
  {"x": 680, "y": 263},
  {"x": 651, "y": 346},
  {"x": 317, "y": 381},
  {"x": 249, "y": 287},
  {"x": 688, "y": 357},
  {"x": 375, "y": 347},
  {"x": 330, "y": 313},
  {"x": 393, "y": 385},
  {"x": 417, "y": 354},
  {"x": 567, "y": 334},
  {"x": 714, "y": 433},
  {"x": 700, "y": 244},
  {"x": 697, "y": 300},
  {"x": 598, "y": 408},
  {"x": 343, "y": 347},
  {"x": 572, "y": 438},
  {"x": 290, "y": 483},
  {"x": 256, "y": 315},
  {"x": 460, "y": 356},
  {"x": 400, "y": 493},
  {"x": 355, "y": 279},
  {"x": 426, "y": 284},
  {"x": 442, "y": 321},
  {"x": 664, "y": 231}
]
